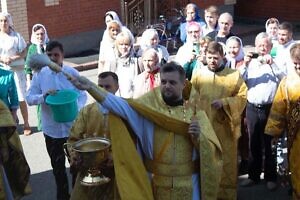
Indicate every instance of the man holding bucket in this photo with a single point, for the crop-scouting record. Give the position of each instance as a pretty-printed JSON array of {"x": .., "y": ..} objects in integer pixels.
[
  {"x": 91, "y": 122},
  {"x": 45, "y": 83}
]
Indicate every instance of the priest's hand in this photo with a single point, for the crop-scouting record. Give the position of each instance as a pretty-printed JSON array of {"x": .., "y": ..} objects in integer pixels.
[
  {"x": 194, "y": 129},
  {"x": 217, "y": 104}
]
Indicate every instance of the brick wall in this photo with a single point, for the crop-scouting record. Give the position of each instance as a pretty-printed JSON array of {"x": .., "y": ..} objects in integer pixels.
[
  {"x": 18, "y": 11},
  {"x": 70, "y": 17},
  {"x": 203, "y": 4},
  {"x": 263, "y": 9}
]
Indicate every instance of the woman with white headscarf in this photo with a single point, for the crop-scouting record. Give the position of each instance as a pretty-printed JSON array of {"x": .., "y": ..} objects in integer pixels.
[
  {"x": 234, "y": 52},
  {"x": 39, "y": 40},
  {"x": 235, "y": 59},
  {"x": 12, "y": 54}
]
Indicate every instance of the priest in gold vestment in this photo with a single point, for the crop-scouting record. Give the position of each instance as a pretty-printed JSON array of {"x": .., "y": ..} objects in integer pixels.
[
  {"x": 91, "y": 122},
  {"x": 181, "y": 153},
  {"x": 14, "y": 170},
  {"x": 285, "y": 115},
  {"x": 222, "y": 92}
]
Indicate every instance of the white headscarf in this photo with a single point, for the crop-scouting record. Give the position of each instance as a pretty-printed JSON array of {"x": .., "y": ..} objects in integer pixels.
[
  {"x": 240, "y": 55},
  {"x": 267, "y": 29},
  {"x": 8, "y": 18},
  {"x": 114, "y": 16},
  {"x": 34, "y": 40}
]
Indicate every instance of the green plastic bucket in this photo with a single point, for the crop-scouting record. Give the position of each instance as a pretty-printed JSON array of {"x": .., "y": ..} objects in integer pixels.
[{"x": 63, "y": 105}]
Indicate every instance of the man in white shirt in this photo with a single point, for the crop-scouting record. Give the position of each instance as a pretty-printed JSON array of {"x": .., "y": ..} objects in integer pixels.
[
  {"x": 46, "y": 82},
  {"x": 262, "y": 77}
]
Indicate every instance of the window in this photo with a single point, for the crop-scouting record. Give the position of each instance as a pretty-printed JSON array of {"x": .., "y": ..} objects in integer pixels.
[{"x": 51, "y": 2}]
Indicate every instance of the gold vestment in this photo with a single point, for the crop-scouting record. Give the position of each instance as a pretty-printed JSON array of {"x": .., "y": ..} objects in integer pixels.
[
  {"x": 14, "y": 162},
  {"x": 228, "y": 86},
  {"x": 89, "y": 123},
  {"x": 285, "y": 115},
  {"x": 169, "y": 122}
]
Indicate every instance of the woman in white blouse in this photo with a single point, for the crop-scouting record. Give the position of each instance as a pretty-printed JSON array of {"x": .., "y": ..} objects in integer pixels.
[{"x": 12, "y": 54}]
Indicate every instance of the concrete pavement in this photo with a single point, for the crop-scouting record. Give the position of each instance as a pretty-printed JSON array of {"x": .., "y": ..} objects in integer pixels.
[{"x": 42, "y": 179}]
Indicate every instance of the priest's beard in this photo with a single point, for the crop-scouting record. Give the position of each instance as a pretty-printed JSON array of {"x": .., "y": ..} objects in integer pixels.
[{"x": 172, "y": 100}]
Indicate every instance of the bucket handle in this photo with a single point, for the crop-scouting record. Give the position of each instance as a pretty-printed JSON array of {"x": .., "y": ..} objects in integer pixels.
[{"x": 66, "y": 150}]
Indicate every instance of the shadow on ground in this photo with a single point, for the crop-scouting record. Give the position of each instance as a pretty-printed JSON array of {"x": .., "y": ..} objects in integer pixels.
[
  {"x": 260, "y": 192},
  {"x": 43, "y": 186}
]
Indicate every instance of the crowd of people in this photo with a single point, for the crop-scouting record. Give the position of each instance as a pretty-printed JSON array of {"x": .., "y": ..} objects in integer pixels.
[{"x": 179, "y": 129}]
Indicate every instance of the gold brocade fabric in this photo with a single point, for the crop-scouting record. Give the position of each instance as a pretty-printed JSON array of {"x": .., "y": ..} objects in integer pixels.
[
  {"x": 171, "y": 128},
  {"x": 227, "y": 86},
  {"x": 178, "y": 149},
  {"x": 131, "y": 177},
  {"x": 285, "y": 115},
  {"x": 89, "y": 124},
  {"x": 14, "y": 161}
]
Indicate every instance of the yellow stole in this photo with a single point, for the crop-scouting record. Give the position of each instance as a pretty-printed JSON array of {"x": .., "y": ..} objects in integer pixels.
[{"x": 131, "y": 175}]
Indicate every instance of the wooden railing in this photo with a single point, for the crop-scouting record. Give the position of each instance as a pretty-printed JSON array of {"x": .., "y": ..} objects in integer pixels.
[{"x": 137, "y": 14}]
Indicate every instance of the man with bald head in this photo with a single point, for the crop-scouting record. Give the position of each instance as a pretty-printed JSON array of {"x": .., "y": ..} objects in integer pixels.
[
  {"x": 149, "y": 78},
  {"x": 225, "y": 22}
]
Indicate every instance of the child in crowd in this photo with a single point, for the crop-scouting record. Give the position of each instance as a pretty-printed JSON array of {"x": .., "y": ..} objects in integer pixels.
[{"x": 211, "y": 15}]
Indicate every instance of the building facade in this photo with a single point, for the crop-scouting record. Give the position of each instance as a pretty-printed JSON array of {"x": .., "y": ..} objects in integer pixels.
[{"x": 264, "y": 9}]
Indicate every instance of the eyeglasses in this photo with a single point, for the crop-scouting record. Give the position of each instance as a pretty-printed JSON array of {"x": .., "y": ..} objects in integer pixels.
[{"x": 190, "y": 32}]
